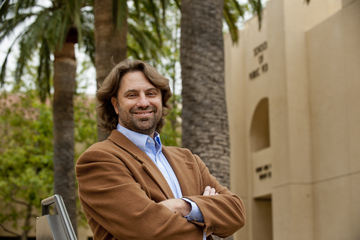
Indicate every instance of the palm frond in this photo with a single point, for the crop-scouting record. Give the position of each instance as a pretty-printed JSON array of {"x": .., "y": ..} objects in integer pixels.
[
  {"x": 74, "y": 10},
  {"x": 256, "y": 7},
  {"x": 164, "y": 4},
  {"x": 50, "y": 27},
  {"x": 4, "y": 9},
  {"x": 133, "y": 52},
  {"x": 144, "y": 40},
  {"x": 153, "y": 10},
  {"x": 240, "y": 9},
  {"x": 177, "y": 2},
  {"x": 231, "y": 18},
  {"x": 44, "y": 70},
  {"x": 138, "y": 11},
  {"x": 119, "y": 13},
  {"x": 10, "y": 24},
  {"x": 87, "y": 31},
  {"x": 23, "y": 5},
  {"x": 26, "y": 51},
  {"x": 3, "y": 69},
  {"x": 28, "y": 43},
  {"x": 56, "y": 29}
]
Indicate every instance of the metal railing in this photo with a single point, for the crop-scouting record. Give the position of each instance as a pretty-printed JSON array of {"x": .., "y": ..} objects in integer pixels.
[{"x": 54, "y": 227}]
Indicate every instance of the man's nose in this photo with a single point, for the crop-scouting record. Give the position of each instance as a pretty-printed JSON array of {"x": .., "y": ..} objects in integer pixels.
[{"x": 143, "y": 101}]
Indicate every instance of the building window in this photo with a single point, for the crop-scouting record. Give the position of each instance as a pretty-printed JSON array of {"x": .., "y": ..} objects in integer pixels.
[{"x": 260, "y": 126}]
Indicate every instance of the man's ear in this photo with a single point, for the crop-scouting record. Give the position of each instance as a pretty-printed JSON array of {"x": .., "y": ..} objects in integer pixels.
[{"x": 114, "y": 102}]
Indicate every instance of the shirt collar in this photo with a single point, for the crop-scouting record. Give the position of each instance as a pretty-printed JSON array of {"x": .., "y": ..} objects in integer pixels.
[{"x": 140, "y": 139}]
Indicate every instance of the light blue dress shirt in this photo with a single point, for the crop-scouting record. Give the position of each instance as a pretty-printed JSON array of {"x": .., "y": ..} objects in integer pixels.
[{"x": 153, "y": 149}]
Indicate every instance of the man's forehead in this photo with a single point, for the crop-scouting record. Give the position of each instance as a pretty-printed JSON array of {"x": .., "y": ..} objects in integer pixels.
[{"x": 136, "y": 81}]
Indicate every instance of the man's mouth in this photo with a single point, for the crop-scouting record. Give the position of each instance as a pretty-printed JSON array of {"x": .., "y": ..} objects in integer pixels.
[{"x": 143, "y": 114}]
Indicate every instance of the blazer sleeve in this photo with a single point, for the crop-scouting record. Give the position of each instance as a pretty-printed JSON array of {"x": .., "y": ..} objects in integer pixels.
[
  {"x": 224, "y": 214},
  {"x": 118, "y": 207}
]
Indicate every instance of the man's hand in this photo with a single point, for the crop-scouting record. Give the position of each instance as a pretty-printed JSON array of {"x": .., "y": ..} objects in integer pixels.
[
  {"x": 209, "y": 191},
  {"x": 183, "y": 207},
  {"x": 177, "y": 204}
]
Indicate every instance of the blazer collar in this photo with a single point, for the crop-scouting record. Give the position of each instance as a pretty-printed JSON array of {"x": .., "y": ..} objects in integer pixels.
[{"x": 148, "y": 165}]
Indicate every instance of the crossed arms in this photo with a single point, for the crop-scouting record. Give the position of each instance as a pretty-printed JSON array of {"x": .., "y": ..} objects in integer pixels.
[
  {"x": 183, "y": 207},
  {"x": 121, "y": 201}
]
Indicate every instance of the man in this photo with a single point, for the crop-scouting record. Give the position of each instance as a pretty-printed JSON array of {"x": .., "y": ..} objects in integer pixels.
[{"x": 132, "y": 187}]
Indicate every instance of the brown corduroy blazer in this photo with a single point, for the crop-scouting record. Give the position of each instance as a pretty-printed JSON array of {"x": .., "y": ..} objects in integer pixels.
[{"x": 120, "y": 189}]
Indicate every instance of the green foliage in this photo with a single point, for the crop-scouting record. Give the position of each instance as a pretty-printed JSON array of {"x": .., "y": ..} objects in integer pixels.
[
  {"x": 257, "y": 8},
  {"x": 25, "y": 155},
  {"x": 171, "y": 132},
  {"x": 147, "y": 29},
  {"x": 26, "y": 151},
  {"x": 85, "y": 122},
  {"x": 233, "y": 12},
  {"x": 44, "y": 30}
]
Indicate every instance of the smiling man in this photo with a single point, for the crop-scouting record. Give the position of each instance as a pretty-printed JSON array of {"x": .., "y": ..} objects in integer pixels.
[
  {"x": 133, "y": 187},
  {"x": 138, "y": 104}
]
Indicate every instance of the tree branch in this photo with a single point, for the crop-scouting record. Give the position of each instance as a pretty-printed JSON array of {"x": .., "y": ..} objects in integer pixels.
[
  {"x": 9, "y": 231},
  {"x": 18, "y": 201}
]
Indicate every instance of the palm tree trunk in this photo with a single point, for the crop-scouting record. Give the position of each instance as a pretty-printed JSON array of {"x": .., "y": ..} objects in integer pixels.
[
  {"x": 204, "y": 113},
  {"x": 110, "y": 44},
  {"x": 63, "y": 116}
]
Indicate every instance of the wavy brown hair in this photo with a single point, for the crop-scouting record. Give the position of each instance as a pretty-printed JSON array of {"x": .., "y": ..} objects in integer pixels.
[{"x": 112, "y": 83}]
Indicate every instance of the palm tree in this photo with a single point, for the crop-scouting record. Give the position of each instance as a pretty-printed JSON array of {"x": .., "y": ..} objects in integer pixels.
[
  {"x": 51, "y": 31},
  {"x": 204, "y": 113}
]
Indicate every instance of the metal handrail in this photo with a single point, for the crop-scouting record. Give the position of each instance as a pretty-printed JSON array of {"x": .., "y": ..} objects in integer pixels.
[{"x": 61, "y": 210}]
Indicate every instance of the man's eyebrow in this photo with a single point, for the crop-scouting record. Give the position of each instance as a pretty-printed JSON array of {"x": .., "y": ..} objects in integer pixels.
[
  {"x": 131, "y": 91},
  {"x": 151, "y": 89}
]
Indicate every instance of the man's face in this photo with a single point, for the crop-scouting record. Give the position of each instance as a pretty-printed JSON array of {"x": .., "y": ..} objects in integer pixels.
[{"x": 138, "y": 104}]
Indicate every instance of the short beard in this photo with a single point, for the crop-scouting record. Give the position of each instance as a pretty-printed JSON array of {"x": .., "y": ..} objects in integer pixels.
[{"x": 149, "y": 124}]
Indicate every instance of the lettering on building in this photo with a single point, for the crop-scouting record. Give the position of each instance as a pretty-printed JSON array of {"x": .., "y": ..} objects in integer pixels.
[
  {"x": 263, "y": 66},
  {"x": 264, "y": 171}
]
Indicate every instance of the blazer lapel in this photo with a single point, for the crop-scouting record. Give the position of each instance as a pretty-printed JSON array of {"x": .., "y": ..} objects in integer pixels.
[
  {"x": 147, "y": 164},
  {"x": 186, "y": 172}
]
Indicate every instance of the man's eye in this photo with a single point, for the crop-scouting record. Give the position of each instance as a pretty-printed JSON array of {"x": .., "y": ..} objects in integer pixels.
[{"x": 151, "y": 94}]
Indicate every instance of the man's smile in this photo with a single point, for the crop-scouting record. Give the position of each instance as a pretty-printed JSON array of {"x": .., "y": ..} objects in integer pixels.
[{"x": 143, "y": 113}]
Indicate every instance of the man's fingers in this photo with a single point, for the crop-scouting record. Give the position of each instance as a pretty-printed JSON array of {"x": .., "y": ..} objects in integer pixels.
[{"x": 209, "y": 191}]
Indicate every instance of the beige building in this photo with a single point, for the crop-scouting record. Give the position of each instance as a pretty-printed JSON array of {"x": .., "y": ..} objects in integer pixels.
[{"x": 293, "y": 93}]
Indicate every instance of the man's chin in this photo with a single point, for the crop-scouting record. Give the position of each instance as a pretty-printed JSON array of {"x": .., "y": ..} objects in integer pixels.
[
  {"x": 144, "y": 119},
  {"x": 144, "y": 130},
  {"x": 145, "y": 126}
]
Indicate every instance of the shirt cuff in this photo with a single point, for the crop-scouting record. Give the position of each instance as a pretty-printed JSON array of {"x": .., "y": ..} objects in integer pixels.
[{"x": 195, "y": 213}]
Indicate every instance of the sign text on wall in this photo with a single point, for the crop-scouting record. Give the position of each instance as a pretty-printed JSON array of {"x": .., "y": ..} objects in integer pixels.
[{"x": 264, "y": 67}]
